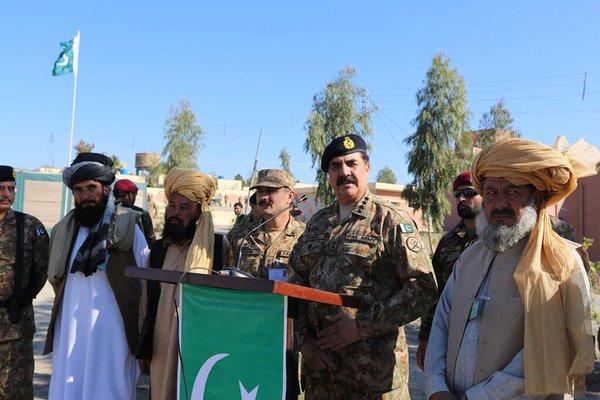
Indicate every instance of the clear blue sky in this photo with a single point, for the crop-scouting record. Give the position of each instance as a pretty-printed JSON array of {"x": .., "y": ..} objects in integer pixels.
[{"x": 250, "y": 65}]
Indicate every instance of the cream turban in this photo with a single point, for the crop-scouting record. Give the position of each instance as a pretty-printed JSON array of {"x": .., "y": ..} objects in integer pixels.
[
  {"x": 196, "y": 187},
  {"x": 558, "y": 345}
]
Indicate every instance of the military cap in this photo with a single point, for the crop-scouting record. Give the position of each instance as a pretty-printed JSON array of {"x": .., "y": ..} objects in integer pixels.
[
  {"x": 341, "y": 146},
  {"x": 274, "y": 178},
  {"x": 125, "y": 185},
  {"x": 462, "y": 179},
  {"x": 7, "y": 173}
]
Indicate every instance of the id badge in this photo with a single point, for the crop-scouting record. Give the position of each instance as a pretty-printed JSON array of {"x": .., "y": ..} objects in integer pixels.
[
  {"x": 477, "y": 307},
  {"x": 276, "y": 274}
]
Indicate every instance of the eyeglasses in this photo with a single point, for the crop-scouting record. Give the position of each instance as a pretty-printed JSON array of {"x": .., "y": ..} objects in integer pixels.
[{"x": 467, "y": 192}]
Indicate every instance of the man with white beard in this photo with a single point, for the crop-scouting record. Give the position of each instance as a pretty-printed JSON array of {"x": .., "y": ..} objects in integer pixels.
[{"x": 514, "y": 319}]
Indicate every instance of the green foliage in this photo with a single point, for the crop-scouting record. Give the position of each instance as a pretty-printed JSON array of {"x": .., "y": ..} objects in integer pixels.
[
  {"x": 386, "y": 175},
  {"x": 184, "y": 138},
  {"x": 239, "y": 177},
  {"x": 441, "y": 146},
  {"x": 284, "y": 156},
  {"x": 587, "y": 242},
  {"x": 118, "y": 164},
  {"x": 498, "y": 118},
  {"x": 341, "y": 108},
  {"x": 84, "y": 147}
]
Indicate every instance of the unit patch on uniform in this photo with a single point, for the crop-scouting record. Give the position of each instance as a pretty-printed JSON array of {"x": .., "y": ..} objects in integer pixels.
[
  {"x": 362, "y": 238},
  {"x": 414, "y": 244},
  {"x": 406, "y": 227}
]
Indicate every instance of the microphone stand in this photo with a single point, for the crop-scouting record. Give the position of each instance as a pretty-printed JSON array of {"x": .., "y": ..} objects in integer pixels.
[{"x": 239, "y": 253}]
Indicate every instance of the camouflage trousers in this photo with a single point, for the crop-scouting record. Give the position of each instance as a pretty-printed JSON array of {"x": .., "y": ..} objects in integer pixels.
[
  {"x": 16, "y": 369},
  {"x": 317, "y": 389}
]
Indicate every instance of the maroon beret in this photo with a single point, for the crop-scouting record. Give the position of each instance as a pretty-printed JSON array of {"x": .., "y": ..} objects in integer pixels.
[
  {"x": 125, "y": 185},
  {"x": 463, "y": 179}
]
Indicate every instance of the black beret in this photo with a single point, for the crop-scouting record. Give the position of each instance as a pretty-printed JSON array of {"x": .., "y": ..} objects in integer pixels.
[
  {"x": 341, "y": 146},
  {"x": 7, "y": 173},
  {"x": 96, "y": 157}
]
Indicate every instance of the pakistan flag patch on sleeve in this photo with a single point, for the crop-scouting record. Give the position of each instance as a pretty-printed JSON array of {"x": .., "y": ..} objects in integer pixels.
[{"x": 406, "y": 227}]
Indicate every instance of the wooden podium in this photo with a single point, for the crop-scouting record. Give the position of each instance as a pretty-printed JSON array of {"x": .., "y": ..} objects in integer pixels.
[
  {"x": 293, "y": 294},
  {"x": 246, "y": 284}
]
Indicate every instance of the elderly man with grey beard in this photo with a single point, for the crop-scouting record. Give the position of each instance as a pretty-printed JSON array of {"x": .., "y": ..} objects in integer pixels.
[{"x": 513, "y": 321}]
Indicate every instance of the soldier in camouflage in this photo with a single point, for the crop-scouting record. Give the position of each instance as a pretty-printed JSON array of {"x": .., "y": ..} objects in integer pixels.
[
  {"x": 450, "y": 247},
  {"x": 265, "y": 253},
  {"x": 563, "y": 228},
  {"x": 247, "y": 221},
  {"x": 366, "y": 247},
  {"x": 23, "y": 272},
  {"x": 268, "y": 249}
]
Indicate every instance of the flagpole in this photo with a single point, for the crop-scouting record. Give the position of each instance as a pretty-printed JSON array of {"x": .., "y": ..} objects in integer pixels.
[{"x": 75, "y": 73}]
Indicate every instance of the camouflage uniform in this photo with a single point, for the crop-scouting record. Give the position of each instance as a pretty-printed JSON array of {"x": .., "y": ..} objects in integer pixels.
[
  {"x": 447, "y": 252},
  {"x": 245, "y": 224},
  {"x": 376, "y": 254},
  {"x": 563, "y": 228},
  {"x": 16, "y": 351},
  {"x": 258, "y": 254}
]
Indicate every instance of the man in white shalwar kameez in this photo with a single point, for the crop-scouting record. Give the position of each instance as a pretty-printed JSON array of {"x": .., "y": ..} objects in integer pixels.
[{"x": 93, "y": 328}]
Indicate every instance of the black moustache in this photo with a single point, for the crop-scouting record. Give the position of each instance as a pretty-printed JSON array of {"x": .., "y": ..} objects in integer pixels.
[
  {"x": 346, "y": 179},
  {"x": 178, "y": 220},
  {"x": 503, "y": 211}
]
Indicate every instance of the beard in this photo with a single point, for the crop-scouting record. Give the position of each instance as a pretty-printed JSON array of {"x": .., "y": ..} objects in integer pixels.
[
  {"x": 175, "y": 231},
  {"x": 466, "y": 212},
  {"x": 89, "y": 213},
  {"x": 501, "y": 238}
]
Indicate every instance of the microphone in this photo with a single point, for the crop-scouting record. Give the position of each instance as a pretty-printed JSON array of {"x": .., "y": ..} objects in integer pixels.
[{"x": 293, "y": 204}]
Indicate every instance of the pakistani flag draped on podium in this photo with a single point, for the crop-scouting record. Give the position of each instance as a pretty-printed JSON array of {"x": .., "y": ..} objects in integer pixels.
[{"x": 232, "y": 344}]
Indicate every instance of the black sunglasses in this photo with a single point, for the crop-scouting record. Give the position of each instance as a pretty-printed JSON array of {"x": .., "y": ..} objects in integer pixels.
[{"x": 467, "y": 192}]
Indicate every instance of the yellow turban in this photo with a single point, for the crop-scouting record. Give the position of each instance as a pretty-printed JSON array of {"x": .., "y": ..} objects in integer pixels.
[
  {"x": 558, "y": 341},
  {"x": 200, "y": 188}
]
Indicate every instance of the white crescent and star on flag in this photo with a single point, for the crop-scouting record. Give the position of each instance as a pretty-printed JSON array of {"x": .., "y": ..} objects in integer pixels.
[{"x": 202, "y": 378}]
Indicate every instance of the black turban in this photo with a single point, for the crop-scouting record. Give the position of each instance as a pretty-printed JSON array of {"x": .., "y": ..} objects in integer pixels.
[{"x": 86, "y": 166}]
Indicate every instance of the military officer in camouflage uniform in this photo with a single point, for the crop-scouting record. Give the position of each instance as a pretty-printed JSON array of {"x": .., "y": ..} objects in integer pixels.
[
  {"x": 450, "y": 247},
  {"x": 23, "y": 272},
  {"x": 266, "y": 252},
  {"x": 366, "y": 247}
]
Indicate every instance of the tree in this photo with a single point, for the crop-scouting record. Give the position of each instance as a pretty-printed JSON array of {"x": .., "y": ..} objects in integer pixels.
[
  {"x": 118, "y": 164},
  {"x": 184, "y": 137},
  {"x": 341, "y": 108},
  {"x": 284, "y": 156},
  {"x": 84, "y": 147},
  {"x": 239, "y": 177},
  {"x": 498, "y": 118},
  {"x": 386, "y": 175},
  {"x": 441, "y": 147}
]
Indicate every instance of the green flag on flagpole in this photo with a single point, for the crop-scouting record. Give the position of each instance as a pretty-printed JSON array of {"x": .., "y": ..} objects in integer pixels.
[
  {"x": 232, "y": 344},
  {"x": 68, "y": 57}
]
